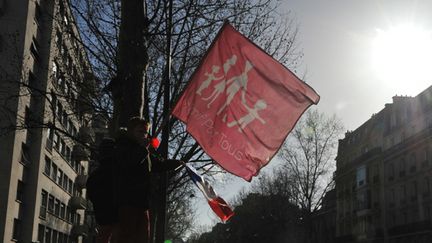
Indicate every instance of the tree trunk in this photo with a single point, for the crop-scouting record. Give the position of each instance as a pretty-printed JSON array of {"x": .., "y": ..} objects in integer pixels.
[{"x": 128, "y": 87}]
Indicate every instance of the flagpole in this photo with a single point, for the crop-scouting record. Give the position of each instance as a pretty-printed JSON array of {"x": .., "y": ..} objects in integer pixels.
[{"x": 163, "y": 181}]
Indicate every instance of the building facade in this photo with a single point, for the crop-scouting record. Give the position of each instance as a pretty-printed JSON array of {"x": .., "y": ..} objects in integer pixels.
[
  {"x": 45, "y": 79},
  {"x": 384, "y": 175}
]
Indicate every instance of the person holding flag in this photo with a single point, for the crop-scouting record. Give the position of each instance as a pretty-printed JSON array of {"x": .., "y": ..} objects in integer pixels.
[{"x": 135, "y": 160}]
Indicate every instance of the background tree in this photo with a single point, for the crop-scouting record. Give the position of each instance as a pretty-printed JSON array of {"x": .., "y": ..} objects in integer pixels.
[
  {"x": 294, "y": 190},
  {"x": 258, "y": 218},
  {"x": 308, "y": 160}
]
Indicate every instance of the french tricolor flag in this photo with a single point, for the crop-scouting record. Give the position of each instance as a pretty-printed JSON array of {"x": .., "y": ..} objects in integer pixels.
[{"x": 217, "y": 204}]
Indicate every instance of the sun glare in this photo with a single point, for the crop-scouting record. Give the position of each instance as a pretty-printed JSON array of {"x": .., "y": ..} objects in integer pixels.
[{"x": 402, "y": 56}]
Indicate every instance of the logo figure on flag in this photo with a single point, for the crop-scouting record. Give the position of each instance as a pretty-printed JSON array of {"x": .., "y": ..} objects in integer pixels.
[
  {"x": 235, "y": 84},
  {"x": 241, "y": 103},
  {"x": 220, "y": 87}
]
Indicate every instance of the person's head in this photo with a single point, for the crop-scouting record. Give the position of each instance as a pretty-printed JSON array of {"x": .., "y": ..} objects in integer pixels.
[{"x": 138, "y": 129}]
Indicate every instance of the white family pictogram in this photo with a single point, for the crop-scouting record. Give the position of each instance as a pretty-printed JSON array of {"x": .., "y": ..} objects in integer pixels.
[
  {"x": 231, "y": 87},
  {"x": 220, "y": 87}
]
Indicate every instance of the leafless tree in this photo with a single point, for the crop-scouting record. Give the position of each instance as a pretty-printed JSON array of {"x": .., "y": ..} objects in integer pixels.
[
  {"x": 193, "y": 26},
  {"x": 308, "y": 160}
]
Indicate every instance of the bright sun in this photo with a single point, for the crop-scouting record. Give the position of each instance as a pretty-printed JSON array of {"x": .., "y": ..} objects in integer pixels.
[{"x": 402, "y": 56}]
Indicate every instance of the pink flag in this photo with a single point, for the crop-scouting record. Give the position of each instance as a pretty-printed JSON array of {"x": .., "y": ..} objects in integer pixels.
[{"x": 241, "y": 104}]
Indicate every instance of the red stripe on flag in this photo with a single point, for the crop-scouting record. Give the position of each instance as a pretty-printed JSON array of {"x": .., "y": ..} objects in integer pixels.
[{"x": 221, "y": 209}]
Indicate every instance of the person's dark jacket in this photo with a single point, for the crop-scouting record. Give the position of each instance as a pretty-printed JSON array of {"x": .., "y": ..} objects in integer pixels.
[
  {"x": 134, "y": 165},
  {"x": 100, "y": 185}
]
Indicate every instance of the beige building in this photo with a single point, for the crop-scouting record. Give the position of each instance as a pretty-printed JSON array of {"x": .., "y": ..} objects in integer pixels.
[
  {"x": 44, "y": 72},
  {"x": 384, "y": 175}
]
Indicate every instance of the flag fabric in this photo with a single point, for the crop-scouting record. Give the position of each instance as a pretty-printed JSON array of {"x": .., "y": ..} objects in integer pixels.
[
  {"x": 241, "y": 103},
  {"x": 217, "y": 204}
]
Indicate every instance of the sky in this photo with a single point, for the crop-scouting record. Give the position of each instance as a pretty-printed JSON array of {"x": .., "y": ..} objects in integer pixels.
[{"x": 358, "y": 54}]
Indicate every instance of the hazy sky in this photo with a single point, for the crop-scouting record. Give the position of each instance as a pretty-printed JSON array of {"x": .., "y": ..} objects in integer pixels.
[{"x": 358, "y": 54}]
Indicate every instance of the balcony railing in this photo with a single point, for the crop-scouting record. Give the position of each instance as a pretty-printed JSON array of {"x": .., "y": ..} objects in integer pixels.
[
  {"x": 80, "y": 181},
  {"x": 79, "y": 229},
  {"x": 78, "y": 202},
  {"x": 79, "y": 153}
]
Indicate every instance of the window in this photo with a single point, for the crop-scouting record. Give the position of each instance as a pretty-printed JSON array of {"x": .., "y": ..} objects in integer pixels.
[
  {"x": 59, "y": 110},
  {"x": 47, "y": 169},
  {"x": 361, "y": 176},
  {"x": 68, "y": 214},
  {"x": 68, "y": 154},
  {"x": 51, "y": 203},
  {"x": 63, "y": 148},
  {"x": 41, "y": 233},
  {"x": 73, "y": 162},
  {"x": 62, "y": 237},
  {"x": 25, "y": 154},
  {"x": 76, "y": 192},
  {"x": 74, "y": 131},
  {"x": 64, "y": 119},
  {"x": 60, "y": 146},
  {"x": 49, "y": 142},
  {"x": 59, "y": 178},
  {"x": 57, "y": 207},
  {"x": 56, "y": 140},
  {"x": 34, "y": 47},
  {"x": 20, "y": 191},
  {"x": 65, "y": 181},
  {"x": 70, "y": 126},
  {"x": 44, "y": 202},
  {"x": 76, "y": 166},
  {"x": 54, "y": 171},
  {"x": 27, "y": 117},
  {"x": 63, "y": 211},
  {"x": 48, "y": 235},
  {"x": 73, "y": 217},
  {"x": 70, "y": 186},
  {"x": 16, "y": 229}
]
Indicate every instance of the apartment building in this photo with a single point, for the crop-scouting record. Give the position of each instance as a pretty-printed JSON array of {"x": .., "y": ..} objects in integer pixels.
[
  {"x": 45, "y": 79},
  {"x": 384, "y": 175}
]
